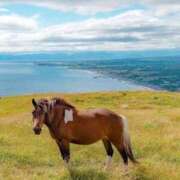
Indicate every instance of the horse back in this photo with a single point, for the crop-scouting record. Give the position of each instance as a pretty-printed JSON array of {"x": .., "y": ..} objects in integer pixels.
[{"x": 92, "y": 125}]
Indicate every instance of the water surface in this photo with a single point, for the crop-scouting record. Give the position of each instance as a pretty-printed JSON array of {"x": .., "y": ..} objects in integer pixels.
[{"x": 17, "y": 78}]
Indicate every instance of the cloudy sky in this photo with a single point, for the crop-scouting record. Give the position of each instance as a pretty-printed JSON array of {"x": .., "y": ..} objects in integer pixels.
[{"x": 107, "y": 25}]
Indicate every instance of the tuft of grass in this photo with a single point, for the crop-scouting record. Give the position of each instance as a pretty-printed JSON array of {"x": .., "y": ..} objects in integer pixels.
[{"x": 154, "y": 123}]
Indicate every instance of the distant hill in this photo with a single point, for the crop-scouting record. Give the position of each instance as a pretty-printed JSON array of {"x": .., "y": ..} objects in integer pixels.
[{"x": 87, "y": 55}]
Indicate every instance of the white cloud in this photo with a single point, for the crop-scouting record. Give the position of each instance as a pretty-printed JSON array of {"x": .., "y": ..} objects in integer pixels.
[
  {"x": 17, "y": 23},
  {"x": 153, "y": 28},
  {"x": 132, "y": 30}
]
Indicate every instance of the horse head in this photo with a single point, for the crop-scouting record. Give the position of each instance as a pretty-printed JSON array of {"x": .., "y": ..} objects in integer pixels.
[
  {"x": 51, "y": 112},
  {"x": 39, "y": 114}
]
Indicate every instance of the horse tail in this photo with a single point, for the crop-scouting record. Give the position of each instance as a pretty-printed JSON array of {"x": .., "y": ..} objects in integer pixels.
[{"x": 127, "y": 142}]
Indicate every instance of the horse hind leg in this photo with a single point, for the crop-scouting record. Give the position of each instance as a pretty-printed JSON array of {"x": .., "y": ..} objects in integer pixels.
[
  {"x": 124, "y": 148},
  {"x": 109, "y": 151},
  {"x": 122, "y": 152}
]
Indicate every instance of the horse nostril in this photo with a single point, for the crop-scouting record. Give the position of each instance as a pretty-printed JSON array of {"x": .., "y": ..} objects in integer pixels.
[{"x": 37, "y": 130}]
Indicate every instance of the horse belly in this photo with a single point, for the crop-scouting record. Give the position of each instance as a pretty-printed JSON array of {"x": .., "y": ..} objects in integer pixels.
[
  {"x": 83, "y": 142},
  {"x": 86, "y": 137},
  {"x": 92, "y": 127}
]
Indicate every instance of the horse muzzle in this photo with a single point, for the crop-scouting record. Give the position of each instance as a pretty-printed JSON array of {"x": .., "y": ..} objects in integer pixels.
[{"x": 37, "y": 130}]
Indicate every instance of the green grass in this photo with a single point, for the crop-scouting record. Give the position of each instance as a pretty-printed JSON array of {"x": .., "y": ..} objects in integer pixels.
[{"x": 154, "y": 123}]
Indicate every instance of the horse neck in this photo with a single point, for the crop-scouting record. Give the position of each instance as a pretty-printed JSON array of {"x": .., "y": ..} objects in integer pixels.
[
  {"x": 75, "y": 114},
  {"x": 47, "y": 121},
  {"x": 55, "y": 120},
  {"x": 53, "y": 127}
]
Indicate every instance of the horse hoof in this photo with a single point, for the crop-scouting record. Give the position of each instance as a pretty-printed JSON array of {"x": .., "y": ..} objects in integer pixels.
[
  {"x": 126, "y": 169},
  {"x": 67, "y": 165},
  {"x": 107, "y": 168}
]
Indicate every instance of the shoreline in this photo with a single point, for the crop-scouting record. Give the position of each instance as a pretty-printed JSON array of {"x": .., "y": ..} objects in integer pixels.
[
  {"x": 31, "y": 77},
  {"x": 63, "y": 79}
]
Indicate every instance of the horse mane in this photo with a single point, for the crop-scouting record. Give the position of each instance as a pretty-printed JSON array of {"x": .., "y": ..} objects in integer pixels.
[
  {"x": 55, "y": 101},
  {"x": 42, "y": 102},
  {"x": 60, "y": 101}
]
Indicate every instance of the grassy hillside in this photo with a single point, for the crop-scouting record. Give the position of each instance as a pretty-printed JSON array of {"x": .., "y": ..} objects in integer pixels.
[{"x": 154, "y": 123}]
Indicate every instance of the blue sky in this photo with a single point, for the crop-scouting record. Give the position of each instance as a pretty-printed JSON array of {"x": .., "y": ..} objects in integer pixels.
[
  {"x": 48, "y": 16},
  {"x": 45, "y": 15},
  {"x": 109, "y": 25}
]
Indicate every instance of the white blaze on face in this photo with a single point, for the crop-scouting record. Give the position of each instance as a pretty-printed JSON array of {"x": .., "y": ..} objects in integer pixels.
[
  {"x": 68, "y": 115},
  {"x": 35, "y": 121}
]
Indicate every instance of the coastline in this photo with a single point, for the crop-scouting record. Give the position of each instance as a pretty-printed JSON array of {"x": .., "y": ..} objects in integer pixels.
[
  {"x": 22, "y": 77},
  {"x": 40, "y": 79}
]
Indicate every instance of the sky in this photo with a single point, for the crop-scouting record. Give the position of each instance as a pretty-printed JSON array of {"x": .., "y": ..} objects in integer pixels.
[{"x": 95, "y": 25}]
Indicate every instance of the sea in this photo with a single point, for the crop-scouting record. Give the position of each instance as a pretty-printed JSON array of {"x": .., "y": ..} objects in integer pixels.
[{"x": 21, "y": 77}]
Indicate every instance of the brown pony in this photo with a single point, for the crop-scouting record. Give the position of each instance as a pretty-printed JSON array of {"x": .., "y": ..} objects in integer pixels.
[{"x": 68, "y": 125}]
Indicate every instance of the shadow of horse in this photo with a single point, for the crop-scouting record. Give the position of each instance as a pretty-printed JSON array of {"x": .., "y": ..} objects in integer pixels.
[{"x": 89, "y": 174}]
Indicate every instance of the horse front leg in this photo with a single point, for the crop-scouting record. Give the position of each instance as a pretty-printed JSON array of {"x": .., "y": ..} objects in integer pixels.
[{"x": 64, "y": 149}]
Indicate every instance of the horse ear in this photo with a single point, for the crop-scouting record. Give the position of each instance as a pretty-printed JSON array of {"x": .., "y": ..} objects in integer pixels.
[{"x": 34, "y": 102}]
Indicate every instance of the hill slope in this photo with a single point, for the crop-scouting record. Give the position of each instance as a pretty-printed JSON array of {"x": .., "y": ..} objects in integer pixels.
[{"x": 154, "y": 123}]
